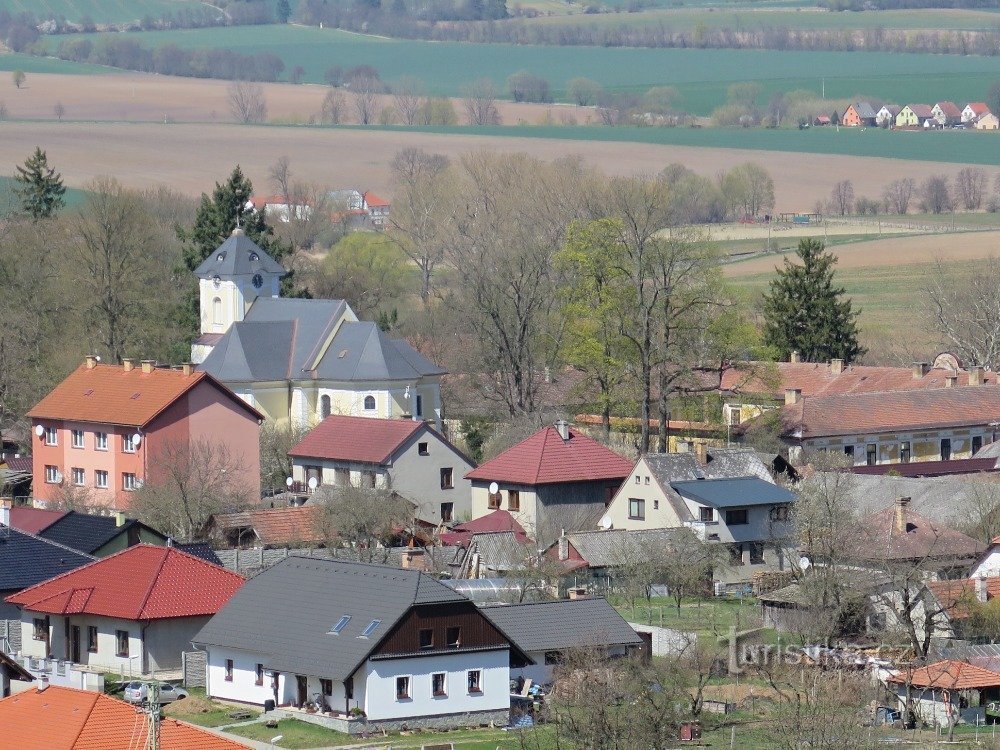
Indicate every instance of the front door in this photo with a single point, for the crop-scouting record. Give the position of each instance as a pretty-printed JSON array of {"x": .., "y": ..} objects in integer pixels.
[
  {"x": 75, "y": 644},
  {"x": 301, "y": 685}
]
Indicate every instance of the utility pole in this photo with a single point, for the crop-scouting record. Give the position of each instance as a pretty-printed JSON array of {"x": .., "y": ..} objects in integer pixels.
[{"x": 153, "y": 712}]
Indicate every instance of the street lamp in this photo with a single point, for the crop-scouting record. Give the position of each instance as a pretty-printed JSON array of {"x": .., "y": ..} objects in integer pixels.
[{"x": 277, "y": 739}]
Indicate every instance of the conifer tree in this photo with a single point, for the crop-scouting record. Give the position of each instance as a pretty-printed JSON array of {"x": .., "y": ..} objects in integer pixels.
[
  {"x": 805, "y": 312},
  {"x": 40, "y": 189}
]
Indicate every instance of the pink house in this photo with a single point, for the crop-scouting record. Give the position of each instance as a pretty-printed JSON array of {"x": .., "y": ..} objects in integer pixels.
[{"x": 106, "y": 429}]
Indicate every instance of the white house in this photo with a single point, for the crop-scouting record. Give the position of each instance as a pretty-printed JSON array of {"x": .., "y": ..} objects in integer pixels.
[{"x": 974, "y": 110}]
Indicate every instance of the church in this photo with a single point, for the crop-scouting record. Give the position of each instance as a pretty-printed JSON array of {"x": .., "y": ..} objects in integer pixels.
[{"x": 300, "y": 360}]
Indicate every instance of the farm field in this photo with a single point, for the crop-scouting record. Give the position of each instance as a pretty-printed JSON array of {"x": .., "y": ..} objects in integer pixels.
[
  {"x": 100, "y": 11},
  {"x": 701, "y": 76}
]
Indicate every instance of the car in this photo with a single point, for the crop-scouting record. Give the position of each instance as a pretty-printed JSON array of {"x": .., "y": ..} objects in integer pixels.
[{"x": 138, "y": 692}]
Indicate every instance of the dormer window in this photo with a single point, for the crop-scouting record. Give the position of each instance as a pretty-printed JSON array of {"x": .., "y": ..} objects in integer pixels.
[
  {"x": 369, "y": 403},
  {"x": 254, "y": 257},
  {"x": 340, "y": 625}
]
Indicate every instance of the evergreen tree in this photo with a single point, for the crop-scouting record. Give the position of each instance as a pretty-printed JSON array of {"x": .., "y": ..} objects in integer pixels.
[
  {"x": 41, "y": 188},
  {"x": 284, "y": 11},
  {"x": 805, "y": 312}
]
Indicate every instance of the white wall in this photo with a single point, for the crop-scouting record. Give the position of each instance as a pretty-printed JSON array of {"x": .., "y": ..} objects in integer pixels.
[
  {"x": 106, "y": 656},
  {"x": 242, "y": 687},
  {"x": 989, "y": 564}
]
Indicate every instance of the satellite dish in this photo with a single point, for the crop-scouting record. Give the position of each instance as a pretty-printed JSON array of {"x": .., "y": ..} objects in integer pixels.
[
  {"x": 136, "y": 439},
  {"x": 313, "y": 483},
  {"x": 805, "y": 563},
  {"x": 39, "y": 430},
  {"x": 289, "y": 482},
  {"x": 494, "y": 487},
  {"x": 606, "y": 523}
]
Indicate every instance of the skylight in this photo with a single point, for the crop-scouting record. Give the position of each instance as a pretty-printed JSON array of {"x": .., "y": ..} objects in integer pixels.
[
  {"x": 371, "y": 628},
  {"x": 341, "y": 624}
]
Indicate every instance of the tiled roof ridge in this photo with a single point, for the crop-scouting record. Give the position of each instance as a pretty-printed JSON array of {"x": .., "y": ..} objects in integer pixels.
[
  {"x": 86, "y": 719},
  {"x": 41, "y": 538},
  {"x": 560, "y": 602},
  {"x": 154, "y": 579},
  {"x": 907, "y": 392},
  {"x": 545, "y": 444}
]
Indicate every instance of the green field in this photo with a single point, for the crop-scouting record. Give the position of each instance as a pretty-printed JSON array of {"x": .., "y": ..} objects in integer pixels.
[
  {"x": 100, "y": 11},
  {"x": 702, "y": 76},
  {"x": 31, "y": 64},
  {"x": 74, "y": 197}
]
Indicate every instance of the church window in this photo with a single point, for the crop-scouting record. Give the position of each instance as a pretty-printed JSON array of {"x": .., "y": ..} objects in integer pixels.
[
  {"x": 369, "y": 403},
  {"x": 217, "y": 311},
  {"x": 324, "y": 406},
  {"x": 258, "y": 281}
]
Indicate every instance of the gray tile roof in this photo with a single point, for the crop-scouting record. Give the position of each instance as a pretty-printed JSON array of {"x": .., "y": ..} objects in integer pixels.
[
  {"x": 498, "y": 550},
  {"x": 286, "y": 612},
  {"x": 87, "y": 533},
  {"x": 605, "y": 549},
  {"x": 720, "y": 463},
  {"x": 564, "y": 624},
  {"x": 733, "y": 493},
  {"x": 238, "y": 256},
  {"x": 26, "y": 559}
]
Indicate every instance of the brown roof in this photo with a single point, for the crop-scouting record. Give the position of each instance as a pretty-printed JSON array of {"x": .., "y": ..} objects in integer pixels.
[
  {"x": 956, "y": 595},
  {"x": 109, "y": 394},
  {"x": 275, "y": 526},
  {"x": 870, "y": 413},
  {"x": 880, "y": 537},
  {"x": 950, "y": 109},
  {"x": 950, "y": 675},
  {"x": 922, "y": 110}
]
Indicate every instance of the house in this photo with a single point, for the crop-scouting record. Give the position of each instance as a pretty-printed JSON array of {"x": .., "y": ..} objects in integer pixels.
[
  {"x": 378, "y": 210},
  {"x": 498, "y": 520},
  {"x": 974, "y": 110},
  {"x": 893, "y": 427},
  {"x": 947, "y": 114},
  {"x": 60, "y": 718},
  {"x": 15, "y": 477},
  {"x": 301, "y": 360},
  {"x": 958, "y": 598},
  {"x": 989, "y": 121},
  {"x": 859, "y": 114},
  {"x": 822, "y": 120},
  {"x": 361, "y": 210},
  {"x": 546, "y": 631},
  {"x": 946, "y": 692},
  {"x": 99, "y": 536},
  {"x": 281, "y": 208},
  {"x": 106, "y": 429},
  {"x": 11, "y": 670},
  {"x": 915, "y": 116},
  {"x": 557, "y": 478},
  {"x": 591, "y": 558},
  {"x": 411, "y": 457},
  {"x": 294, "y": 526},
  {"x": 886, "y": 117},
  {"x": 987, "y": 565},
  {"x": 954, "y": 467},
  {"x": 395, "y": 646},
  {"x": 133, "y": 612}
]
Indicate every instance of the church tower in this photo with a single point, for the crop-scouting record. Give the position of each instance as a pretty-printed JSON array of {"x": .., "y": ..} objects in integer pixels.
[{"x": 230, "y": 279}]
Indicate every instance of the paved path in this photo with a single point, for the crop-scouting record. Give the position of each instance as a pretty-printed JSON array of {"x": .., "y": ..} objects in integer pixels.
[{"x": 221, "y": 731}]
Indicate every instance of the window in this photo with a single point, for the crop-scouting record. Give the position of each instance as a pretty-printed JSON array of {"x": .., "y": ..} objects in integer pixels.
[
  {"x": 447, "y": 478},
  {"x": 324, "y": 406},
  {"x": 493, "y": 502},
  {"x": 325, "y": 686},
  {"x": 128, "y": 443},
  {"x": 904, "y": 452},
  {"x": 849, "y": 450},
  {"x": 871, "y": 454},
  {"x": 475, "y": 680},
  {"x": 121, "y": 645},
  {"x": 402, "y": 688},
  {"x": 340, "y": 625},
  {"x": 977, "y": 443},
  {"x": 51, "y": 475},
  {"x": 646, "y": 480},
  {"x": 217, "y": 311},
  {"x": 736, "y": 555},
  {"x": 369, "y": 403},
  {"x": 513, "y": 500},
  {"x": 447, "y": 511},
  {"x": 453, "y": 637},
  {"x": 92, "y": 639},
  {"x": 945, "y": 449},
  {"x": 128, "y": 481},
  {"x": 372, "y": 627},
  {"x": 706, "y": 515},
  {"x": 77, "y": 438},
  {"x": 341, "y": 477},
  {"x": 229, "y": 670},
  {"x": 438, "y": 685},
  {"x": 636, "y": 509},
  {"x": 638, "y": 480},
  {"x": 420, "y": 405},
  {"x": 101, "y": 441},
  {"x": 259, "y": 675},
  {"x": 422, "y": 449},
  {"x": 426, "y": 638},
  {"x": 39, "y": 629},
  {"x": 780, "y": 513},
  {"x": 736, "y": 517},
  {"x": 101, "y": 479},
  {"x": 656, "y": 505},
  {"x": 51, "y": 436},
  {"x": 79, "y": 476},
  {"x": 756, "y": 553}
]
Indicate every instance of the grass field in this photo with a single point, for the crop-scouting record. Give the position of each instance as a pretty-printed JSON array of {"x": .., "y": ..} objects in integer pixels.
[
  {"x": 100, "y": 11},
  {"x": 31, "y": 64},
  {"x": 74, "y": 198},
  {"x": 702, "y": 76}
]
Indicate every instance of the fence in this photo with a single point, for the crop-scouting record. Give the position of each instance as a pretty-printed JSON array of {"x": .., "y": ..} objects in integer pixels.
[
  {"x": 194, "y": 664},
  {"x": 257, "y": 558}
]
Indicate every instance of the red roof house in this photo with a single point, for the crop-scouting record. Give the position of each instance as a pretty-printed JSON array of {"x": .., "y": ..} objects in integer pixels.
[
  {"x": 974, "y": 110},
  {"x": 558, "y": 476},
  {"x": 134, "y": 611},
  {"x": 498, "y": 520},
  {"x": 269, "y": 527},
  {"x": 948, "y": 675},
  {"x": 106, "y": 429}
]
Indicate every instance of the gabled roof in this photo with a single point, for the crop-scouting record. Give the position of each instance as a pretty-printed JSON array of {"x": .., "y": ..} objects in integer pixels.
[
  {"x": 286, "y": 613},
  {"x": 949, "y": 675},
  {"x": 499, "y": 551},
  {"x": 545, "y": 458},
  {"x": 921, "y": 110},
  {"x": 955, "y": 595},
  {"x": 892, "y": 109},
  {"x": 563, "y": 624},
  {"x": 497, "y": 520},
  {"x": 978, "y": 108},
  {"x": 59, "y": 718},
  {"x": 238, "y": 256},
  {"x": 375, "y": 201},
  {"x": 33, "y": 520},
  {"x": 89, "y": 533},
  {"x": 880, "y": 537},
  {"x": 140, "y": 583},
  {"x": 949, "y": 109},
  {"x": 201, "y": 550},
  {"x": 720, "y": 463},
  {"x": 733, "y": 493},
  {"x": 361, "y": 439},
  {"x": 26, "y": 559},
  {"x": 273, "y": 526},
  {"x": 606, "y": 549},
  {"x": 865, "y": 110},
  {"x": 108, "y": 394}
]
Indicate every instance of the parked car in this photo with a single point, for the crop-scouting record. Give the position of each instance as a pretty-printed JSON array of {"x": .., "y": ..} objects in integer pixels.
[{"x": 137, "y": 692}]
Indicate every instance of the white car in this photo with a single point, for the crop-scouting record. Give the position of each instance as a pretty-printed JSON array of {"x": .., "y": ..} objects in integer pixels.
[{"x": 138, "y": 692}]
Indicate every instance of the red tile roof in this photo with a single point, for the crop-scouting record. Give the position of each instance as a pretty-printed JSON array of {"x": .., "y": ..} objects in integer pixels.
[
  {"x": 978, "y": 108},
  {"x": 879, "y": 537},
  {"x": 949, "y": 675},
  {"x": 498, "y": 520},
  {"x": 108, "y": 394},
  {"x": 545, "y": 458},
  {"x": 932, "y": 468},
  {"x": 59, "y": 718},
  {"x": 374, "y": 201},
  {"x": 140, "y": 583},
  {"x": 956, "y": 595},
  {"x": 362, "y": 439},
  {"x": 275, "y": 526},
  {"x": 33, "y": 520},
  {"x": 950, "y": 109}
]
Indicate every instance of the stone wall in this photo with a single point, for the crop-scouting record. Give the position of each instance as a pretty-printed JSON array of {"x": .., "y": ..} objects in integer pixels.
[
  {"x": 194, "y": 665},
  {"x": 499, "y": 718},
  {"x": 10, "y": 636}
]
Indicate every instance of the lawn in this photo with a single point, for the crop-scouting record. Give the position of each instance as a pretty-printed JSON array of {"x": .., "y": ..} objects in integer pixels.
[
  {"x": 101, "y": 11},
  {"x": 701, "y": 76},
  {"x": 30, "y": 64},
  {"x": 705, "y": 616}
]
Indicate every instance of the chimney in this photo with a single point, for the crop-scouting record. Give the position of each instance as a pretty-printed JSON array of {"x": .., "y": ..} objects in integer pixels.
[
  {"x": 4, "y": 512},
  {"x": 43, "y": 684},
  {"x": 836, "y": 366},
  {"x": 128, "y": 364},
  {"x": 700, "y": 454},
  {"x": 792, "y": 396},
  {"x": 148, "y": 365},
  {"x": 413, "y": 557},
  {"x": 975, "y": 376},
  {"x": 920, "y": 369},
  {"x": 563, "y": 546},
  {"x": 120, "y": 518},
  {"x": 982, "y": 590},
  {"x": 950, "y": 381},
  {"x": 562, "y": 427},
  {"x": 901, "y": 505},
  {"x": 188, "y": 369},
  {"x": 795, "y": 357},
  {"x": 91, "y": 361}
]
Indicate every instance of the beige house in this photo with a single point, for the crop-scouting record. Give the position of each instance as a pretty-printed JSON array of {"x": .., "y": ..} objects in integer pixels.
[{"x": 989, "y": 121}]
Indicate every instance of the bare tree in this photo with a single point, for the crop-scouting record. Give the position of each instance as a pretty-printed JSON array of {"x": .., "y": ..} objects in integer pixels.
[
  {"x": 18, "y": 77},
  {"x": 898, "y": 194},
  {"x": 332, "y": 111},
  {"x": 275, "y": 443},
  {"x": 935, "y": 197},
  {"x": 59, "y": 110},
  {"x": 363, "y": 518},
  {"x": 247, "y": 102},
  {"x": 280, "y": 175},
  {"x": 843, "y": 197},
  {"x": 481, "y": 102},
  {"x": 970, "y": 187},
  {"x": 408, "y": 95},
  {"x": 964, "y": 306},
  {"x": 364, "y": 96}
]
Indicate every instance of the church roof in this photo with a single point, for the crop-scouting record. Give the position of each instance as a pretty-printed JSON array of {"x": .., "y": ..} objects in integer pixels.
[{"x": 238, "y": 256}]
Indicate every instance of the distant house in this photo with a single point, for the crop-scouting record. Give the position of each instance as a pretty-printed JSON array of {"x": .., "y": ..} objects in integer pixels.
[
  {"x": 989, "y": 121},
  {"x": 410, "y": 457},
  {"x": 295, "y": 526},
  {"x": 592, "y": 558},
  {"x": 915, "y": 116},
  {"x": 395, "y": 645},
  {"x": 947, "y": 692},
  {"x": 974, "y": 110},
  {"x": 947, "y": 114},
  {"x": 135, "y": 611},
  {"x": 99, "y": 536},
  {"x": 280, "y": 208},
  {"x": 859, "y": 114},
  {"x": 360, "y": 210},
  {"x": 106, "y": 429},
  {"x": 557, "y": 478},
  {"x": 822, "y": 120},
  {"x": 498, "y": 520},
  {"x": 378, "y": 210},
  {"x": 886, "y": 117}
]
